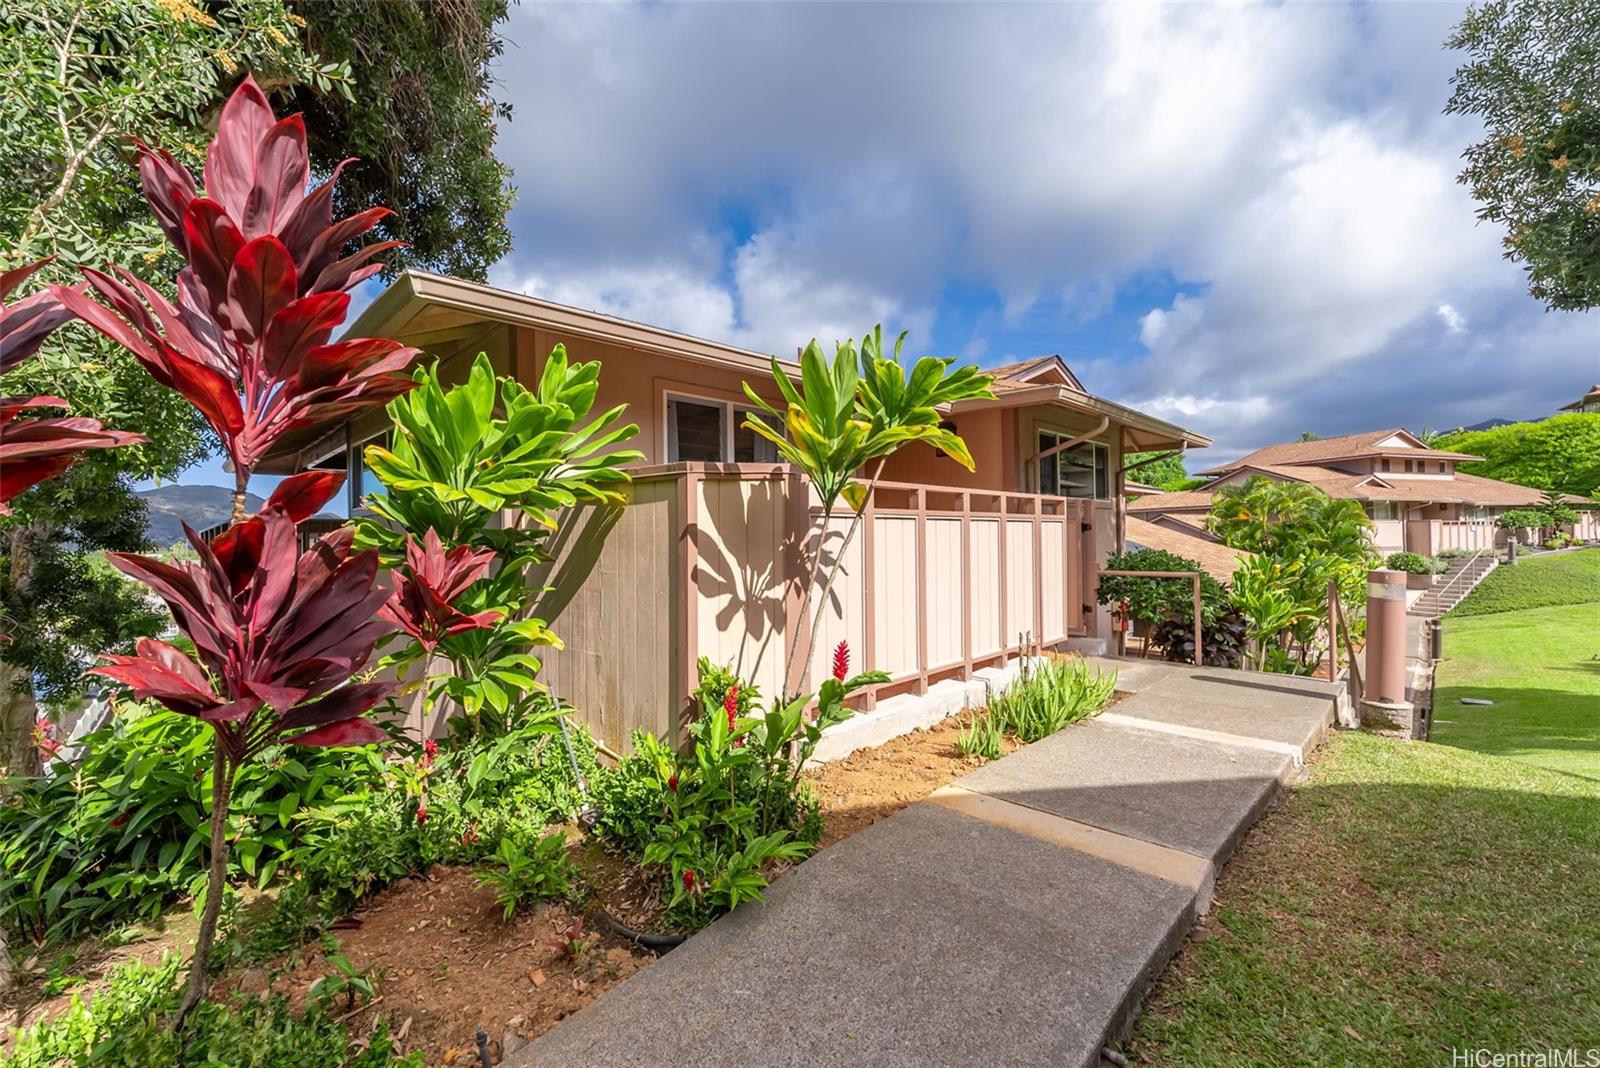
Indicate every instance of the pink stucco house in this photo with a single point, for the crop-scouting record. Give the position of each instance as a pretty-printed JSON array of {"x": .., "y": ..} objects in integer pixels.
[
  {"x": 1414, "y": 494},
  {"x": 953, "y": 570}
]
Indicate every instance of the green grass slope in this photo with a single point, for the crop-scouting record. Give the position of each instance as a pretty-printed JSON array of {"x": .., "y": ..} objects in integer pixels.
[
  {"x": 1412, "y": 899},
  {"x": 1541, "y": 668},
  {"x": 1536, "y": 582}
]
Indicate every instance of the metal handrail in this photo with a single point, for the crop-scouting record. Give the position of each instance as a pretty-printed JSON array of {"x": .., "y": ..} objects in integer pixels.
[{"x": 1471, "y": 565}]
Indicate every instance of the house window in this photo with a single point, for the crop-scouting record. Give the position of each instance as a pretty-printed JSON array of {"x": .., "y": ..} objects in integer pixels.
[
  {"x": 711, "y": 431},
  {"x": 363, "y": 481},
  {"x": 748, "y": 446},
  {"x": 694, "y": 431},
  {"x": 1383, "y": 510},
  {"x": 1081, "y": 471},
  {"x": 1383, "y": 464},
  {"x": 1441, "y": 467}
]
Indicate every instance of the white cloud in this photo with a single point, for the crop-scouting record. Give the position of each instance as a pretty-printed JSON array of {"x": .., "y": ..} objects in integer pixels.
[
  {"x": 1453, "y": 320},
  {"x": 765, "y": 173}
]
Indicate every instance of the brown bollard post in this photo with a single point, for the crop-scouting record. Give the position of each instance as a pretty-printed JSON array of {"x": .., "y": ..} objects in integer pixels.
[{"x": 1385, "y": 697}]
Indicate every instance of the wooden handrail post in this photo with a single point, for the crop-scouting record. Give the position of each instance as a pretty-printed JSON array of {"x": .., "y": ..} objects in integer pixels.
[
  {"x": 1199, "y": 648},
  {"x": 1333, "y": 639}
]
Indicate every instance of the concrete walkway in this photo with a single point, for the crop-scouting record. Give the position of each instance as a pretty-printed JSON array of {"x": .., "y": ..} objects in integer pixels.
[{"x": 1017, "y": 917}]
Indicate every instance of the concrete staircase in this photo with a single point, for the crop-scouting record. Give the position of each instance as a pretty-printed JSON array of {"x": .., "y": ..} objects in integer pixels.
[{"x": 1458, "y": 580}]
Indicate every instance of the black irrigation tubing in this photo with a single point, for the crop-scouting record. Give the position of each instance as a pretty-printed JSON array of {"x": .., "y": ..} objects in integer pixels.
[{"x": 659, "y": 942}]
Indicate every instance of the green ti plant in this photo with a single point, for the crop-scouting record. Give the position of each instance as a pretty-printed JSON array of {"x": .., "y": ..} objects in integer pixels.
[
  {"x": 460, "y": 461},
  {"x": 847, "y": 417}
]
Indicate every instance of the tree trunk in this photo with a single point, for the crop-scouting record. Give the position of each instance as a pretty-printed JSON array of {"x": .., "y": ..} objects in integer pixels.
[
  {"x": 19, "y": 713},
  {"x": 240, "y": 481},
  {"x": 216, "y": 886}
]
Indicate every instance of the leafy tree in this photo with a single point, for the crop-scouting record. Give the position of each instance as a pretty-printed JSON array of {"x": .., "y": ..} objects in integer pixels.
[
  {"x": 1265, "y": 515},
  {"x": 1529, "y": 74},
  {"x": 1155, "y": 600},
  {"x": 417, "y": 111},
  {"x": 1166, "y": 473},
  {"x": 1560, "y": 453}
]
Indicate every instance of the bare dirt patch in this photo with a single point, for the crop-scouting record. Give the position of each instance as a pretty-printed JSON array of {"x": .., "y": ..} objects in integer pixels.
[
  {"x": 869, "y": 784},
  {"x": 447, "y": 964}
]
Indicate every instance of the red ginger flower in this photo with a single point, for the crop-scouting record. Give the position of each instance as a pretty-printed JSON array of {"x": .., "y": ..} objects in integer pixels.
[
  {"x": 688, "y": 880},
  {"x": 278, "y": 632},
  {"x": 672, "y": 783},
  {"x": 841, "y": 661},
  {"x": 422, "y": 813},
  {"x": 249, "y": 341},
  {"x": 430, "y": 749},
  {"x": 730, "y": 704},
  {"x": 431, "y": 579}
]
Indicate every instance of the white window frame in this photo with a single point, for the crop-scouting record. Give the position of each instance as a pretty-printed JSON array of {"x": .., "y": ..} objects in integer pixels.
[
  {"x": 1101, "y": 451},
  {"x": 732, "y": 414},
  {"x": 1390, "y": 508},
  {"x": 355, "y": 465}
]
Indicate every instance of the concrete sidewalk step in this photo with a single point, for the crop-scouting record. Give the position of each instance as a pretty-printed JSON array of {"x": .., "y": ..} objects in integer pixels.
[
  {"x": 1185, "y": 794},
  {"x": 1016, "y": 917},
  {"x": 929, "y": 938},
  {"x": 1281, "y": 713}
]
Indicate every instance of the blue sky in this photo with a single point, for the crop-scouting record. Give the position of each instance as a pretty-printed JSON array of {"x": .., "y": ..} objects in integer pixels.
[{"x": 1243, "y": 218}]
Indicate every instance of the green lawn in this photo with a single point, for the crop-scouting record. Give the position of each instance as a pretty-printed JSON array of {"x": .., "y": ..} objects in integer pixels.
[
  {"x": 1536, "y": 582},
  {"x": 1410, "y": 898},
  {"x": 1541, "y": 668}
]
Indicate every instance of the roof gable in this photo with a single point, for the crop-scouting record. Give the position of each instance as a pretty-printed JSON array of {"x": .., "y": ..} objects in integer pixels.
[{"x": 1045, "y": 370}]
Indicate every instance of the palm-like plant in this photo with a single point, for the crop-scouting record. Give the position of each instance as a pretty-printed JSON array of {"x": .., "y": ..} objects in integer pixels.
[
  {"x": 848, "y": 415},
  {"x": 461, "y": 459}
]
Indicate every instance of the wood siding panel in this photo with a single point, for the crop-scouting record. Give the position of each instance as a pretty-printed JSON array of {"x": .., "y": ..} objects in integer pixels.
[
  {"x": 895, "y": 594},
  {"x": 844, "y": 617},
  {"x": 1020, "y": 585},
  {"x": 987, "y": 633},
  {"x": 739, "y": 578},
  {"x": 612, "y": 602},
  {"x": 1052, "y": 578},
  {"x": 943, "y": 591}
]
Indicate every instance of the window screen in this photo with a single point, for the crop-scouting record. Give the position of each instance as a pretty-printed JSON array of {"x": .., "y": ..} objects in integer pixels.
[
  {"x": 694, "y": 431},
  {"x": 1081, "y": 471},
  {"x": 748, "y": 446}
]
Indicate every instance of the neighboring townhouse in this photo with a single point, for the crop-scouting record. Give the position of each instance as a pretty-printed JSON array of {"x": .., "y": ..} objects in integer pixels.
[
  {"x": 951, "y": 570},
  {"x": 1414, "y": 494},
  {"x": 1589, "y": 402},
  {"x": 1215, "y": 559}
]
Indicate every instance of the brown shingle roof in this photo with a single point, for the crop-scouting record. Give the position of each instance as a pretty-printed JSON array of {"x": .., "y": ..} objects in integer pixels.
[
  {"x": 1323, "y": 450},
  {"x": 1588, "y": 398},
  {"x": 1461, "y": 488},
  {"x": 1217, "y": 559}
]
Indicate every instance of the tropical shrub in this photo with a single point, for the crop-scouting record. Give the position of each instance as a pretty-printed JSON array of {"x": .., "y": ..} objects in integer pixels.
[
  {"x": 714, "y": 819},
  {"x": 1042, "y": 701},
  {"x": 850, "y": 416},
  {"x": 120, "y": 836},
  {"x": 250, "y": 346},
  {"x": 123, "y": 1026},
  {"x": 1265, "y": 515},
  {"x": 1156, "y": 600},
  {"x": 1275, "y": 598},
  {"x": 529, "y": 872},
  {"x": 1413, "y": 563},
  {"x": 460, "y": 459},
  {"x": 1222, "y": 639},
  {"x": 449, "y": 804}
]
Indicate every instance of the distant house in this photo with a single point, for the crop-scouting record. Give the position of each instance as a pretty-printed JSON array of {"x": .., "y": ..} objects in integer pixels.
[
  {"x": 1414, "y": 495},
  {"x": 1589, "y": 402}
]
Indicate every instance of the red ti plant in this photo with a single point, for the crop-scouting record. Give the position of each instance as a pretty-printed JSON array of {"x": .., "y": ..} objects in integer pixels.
[
  {"x": 277, "y": 633},
  {"x": 32, "y": 450},
  {"x": 248, "y": 341},
  {"x": 420, "y": 605}
]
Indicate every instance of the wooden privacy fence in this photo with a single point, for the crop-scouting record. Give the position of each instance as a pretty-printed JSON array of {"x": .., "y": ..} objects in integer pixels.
[{"x": 712, "y": 560}]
